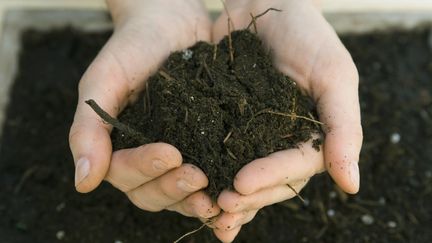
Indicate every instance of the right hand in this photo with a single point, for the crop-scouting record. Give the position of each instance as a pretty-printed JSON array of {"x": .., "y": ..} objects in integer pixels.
[{"x": 152, "y": 175}]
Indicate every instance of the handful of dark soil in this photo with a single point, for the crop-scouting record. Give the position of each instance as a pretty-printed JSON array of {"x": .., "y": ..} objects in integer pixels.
[{"x": 221, "y": 113}]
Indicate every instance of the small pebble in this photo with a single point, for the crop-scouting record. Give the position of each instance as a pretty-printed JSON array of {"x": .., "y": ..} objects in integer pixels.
[
  {"x": 331, "y": 213},
  {"x": 391, "y": 224},
  {"x": 60, "y": 235},
  {"x": 187, "y": 54},
  {"x": 367, "y": 219},
  {"x": 202, "y": 132},
  {"x": 395, "y": 138}
]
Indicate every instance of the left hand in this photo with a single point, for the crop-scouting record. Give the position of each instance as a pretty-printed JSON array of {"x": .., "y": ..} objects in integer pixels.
[
  {"x": 307, "y": 49},
  {"x": 263, "y": 182}
]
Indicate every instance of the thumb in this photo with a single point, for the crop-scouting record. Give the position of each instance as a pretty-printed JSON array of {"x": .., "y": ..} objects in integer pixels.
[
  {"x": 112, "y": 80},
  {"x": 89, "y": 137},
  {"x": 339, "y": 109}
]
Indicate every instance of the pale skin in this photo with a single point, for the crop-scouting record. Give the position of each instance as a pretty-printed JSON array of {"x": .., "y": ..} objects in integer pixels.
[{"x": 153, "y": 176}]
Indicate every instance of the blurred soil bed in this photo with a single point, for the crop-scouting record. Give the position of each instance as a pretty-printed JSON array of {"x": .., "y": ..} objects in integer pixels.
[{"x": 38, "y": 202}]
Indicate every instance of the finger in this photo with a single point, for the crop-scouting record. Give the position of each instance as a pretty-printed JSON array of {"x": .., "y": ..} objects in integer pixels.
[
  {"x": 131, "y": 168},
  {"x": 229, "y": 221},
  {"x": 169, "y": 188},
  {"x": 340, "y": 112},
  {"x": 283, "y": 167},
  {"x": 234, "y": 202},
  {"x": 227, "y": 236},
  {"x": 196, "y": 205}
]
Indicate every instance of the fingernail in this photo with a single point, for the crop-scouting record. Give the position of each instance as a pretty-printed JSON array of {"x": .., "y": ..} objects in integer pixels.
[
  {"x": 185, "y": 186},
  {"x": 82, "y": 170},
  {"x": 159, "y": 165},
  {"x": 355, "y": 174}
]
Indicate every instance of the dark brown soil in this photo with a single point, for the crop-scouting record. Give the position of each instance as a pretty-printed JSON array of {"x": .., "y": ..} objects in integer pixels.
[
  {"x": 37, "y": 197},
  {"x": 220, "y": 114}
]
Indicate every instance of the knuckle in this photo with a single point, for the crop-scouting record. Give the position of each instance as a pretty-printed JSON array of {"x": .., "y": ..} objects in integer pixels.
[
  {"x": 193, "y": 175},
  {"x": 135, "y": 198},
  {"x": 166, "y": 191}
]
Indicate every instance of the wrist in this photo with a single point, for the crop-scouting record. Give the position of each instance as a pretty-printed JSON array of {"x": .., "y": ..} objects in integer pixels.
[{"x": 124, "y": 10}]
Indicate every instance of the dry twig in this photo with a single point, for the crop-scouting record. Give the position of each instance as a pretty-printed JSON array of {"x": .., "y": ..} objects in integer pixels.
[{"x": 117, "y": 124}]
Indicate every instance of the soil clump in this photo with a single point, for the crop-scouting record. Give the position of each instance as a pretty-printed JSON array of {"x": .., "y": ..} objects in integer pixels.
[{"x": 221, "y": 113}]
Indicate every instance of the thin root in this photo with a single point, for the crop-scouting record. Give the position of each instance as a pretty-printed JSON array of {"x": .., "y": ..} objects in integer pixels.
[
  {"x": 206, "y": 223},
  {"x": 166, "y": 75},
  {"x": 227, "y": 137},
  {"x": 292, "y": 115},
  {"x": 230, "y": 24},
  {"x": 26, "y": 175},
  {"x": 215, "y": 49},
  {"x": 296, "y": 193},
  {"x": 231, "y": 154},
  {"x": 254, "y": 18},
  {"x": 190, "y": 233},
  {"x": 231, "y": 50},
  {"x": 254, "y": 23}
]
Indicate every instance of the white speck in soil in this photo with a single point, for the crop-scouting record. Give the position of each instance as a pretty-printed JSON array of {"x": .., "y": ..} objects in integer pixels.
[
  {"x": 391, "y": 224},
  {"x": 331, "y": 213},
  {"x": 367, "y": 219},
  {"x": 60, "y": 235},
  {"x": 332, "y": 194},
  {"x": 60, "y": 207},
  {"x": 254, "y": 66},
  {"x": 192, "y": 98},
  {"x": 187, "y": 54},
  {"x": 202, "y": 132},
  {"x": 395, "y": 138}
]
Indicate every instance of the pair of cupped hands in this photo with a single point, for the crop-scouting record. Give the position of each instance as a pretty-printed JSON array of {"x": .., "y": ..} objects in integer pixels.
[{"x": 153, "y": 176}]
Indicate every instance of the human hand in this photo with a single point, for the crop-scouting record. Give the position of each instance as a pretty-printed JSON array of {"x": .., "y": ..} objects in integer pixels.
[
  {"x": 153, "y": 175},
  {"x": 307, "y": 49}
]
